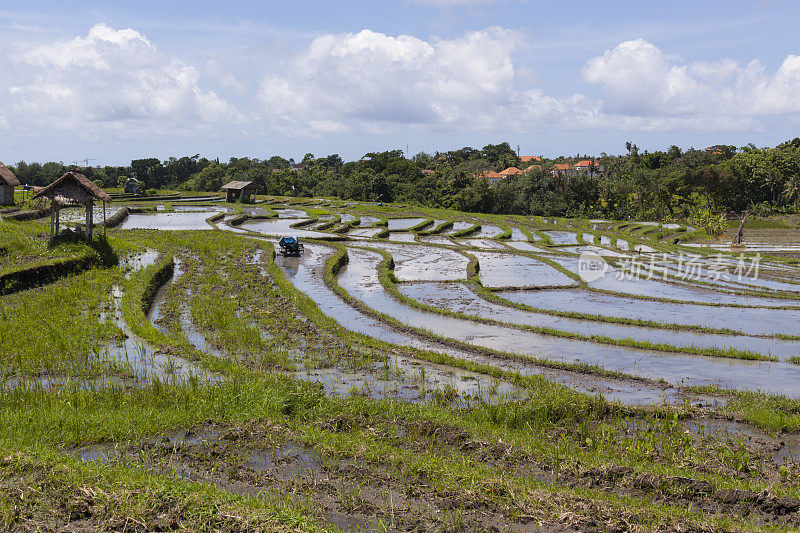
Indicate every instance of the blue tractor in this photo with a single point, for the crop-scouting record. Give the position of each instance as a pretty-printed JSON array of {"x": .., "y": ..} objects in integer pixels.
[{"x": 290, "y": 246}]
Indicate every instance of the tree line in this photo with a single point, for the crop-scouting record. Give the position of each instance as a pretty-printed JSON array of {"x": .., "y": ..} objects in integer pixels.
[{"x": 660, "y": 185}]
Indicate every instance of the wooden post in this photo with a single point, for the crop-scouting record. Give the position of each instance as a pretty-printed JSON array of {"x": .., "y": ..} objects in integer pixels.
[
  {"x": 737, "y": 240},
  {"x": 104, "y": 218},
  {"x": 89, "y": 218}
]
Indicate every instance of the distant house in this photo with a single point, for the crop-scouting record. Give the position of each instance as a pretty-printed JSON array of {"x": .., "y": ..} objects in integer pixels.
[
  {"x": 510, "y": 171},
  {"x": 297, "y": 167},
  {"x": 561, "y": 169},
  {"x": 588, "y": 166},
  {"x": 593, "y": 168},
  {"x": 7, "y": 183},
  {"x": 532, "y": 168},
  {"x": 133, "y": 186},
  {"x": 491, "y": 176},
  {"x": 239, "y": 190},
  {"x": 530, "y": 158}
]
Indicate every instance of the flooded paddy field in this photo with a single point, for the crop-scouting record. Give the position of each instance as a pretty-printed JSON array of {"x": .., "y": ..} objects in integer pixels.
[{"x": 193, "y": 379}]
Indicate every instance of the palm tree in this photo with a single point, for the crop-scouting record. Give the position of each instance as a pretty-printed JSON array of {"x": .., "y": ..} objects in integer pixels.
[
  {"x": 770, "y": 179},
  {"x": 791, "y": 190}
]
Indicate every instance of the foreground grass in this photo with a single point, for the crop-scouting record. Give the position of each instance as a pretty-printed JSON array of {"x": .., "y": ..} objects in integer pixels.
[{"x": 561, "y": 442}]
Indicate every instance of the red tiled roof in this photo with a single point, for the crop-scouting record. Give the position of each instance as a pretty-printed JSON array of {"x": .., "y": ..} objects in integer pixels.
[
  {"x": 561, "y": 166},
  {"x": 533, "y": 167},
  {"x": 489, "y": 174},
  {"x": 583, "y": 163},
  {"x": 528, "y": 158},
  {"x": 510, "y": 171}
]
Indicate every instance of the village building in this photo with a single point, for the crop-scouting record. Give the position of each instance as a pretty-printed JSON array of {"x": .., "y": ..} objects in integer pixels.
[
  {"x": 133, "y": 186},
  {"x": 510, "y": 171},
  {"x": 70, "y": 190},
  {"x": 240, "y": 190},
  {"x": 7, "y": 183},
  {"x": 561, "y": 169},
  {"x": 530, "y": 159},
  {"x": 587, "y": 166},
  {"x": 491, "y": 176},
  {"x": 591, "y": 167}
]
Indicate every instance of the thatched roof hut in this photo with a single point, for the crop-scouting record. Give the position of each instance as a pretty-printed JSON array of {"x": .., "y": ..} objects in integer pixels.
[
  {"x": 7, "y": 183},
  {"x": 73, "y": 188}
]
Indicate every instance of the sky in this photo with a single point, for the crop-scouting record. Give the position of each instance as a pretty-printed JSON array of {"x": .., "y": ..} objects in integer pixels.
[{"x": 112, "y": 81}]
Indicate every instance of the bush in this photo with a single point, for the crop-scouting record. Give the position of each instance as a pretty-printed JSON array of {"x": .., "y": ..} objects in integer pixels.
[{"x": 712, "y": 223}]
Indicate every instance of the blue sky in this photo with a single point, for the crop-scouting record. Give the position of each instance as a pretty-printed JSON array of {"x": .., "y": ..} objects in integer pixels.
[{"x": 120, "y": 80}]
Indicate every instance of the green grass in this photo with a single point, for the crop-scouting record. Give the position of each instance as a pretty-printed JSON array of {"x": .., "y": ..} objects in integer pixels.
[{"x": 556, "y": 438}]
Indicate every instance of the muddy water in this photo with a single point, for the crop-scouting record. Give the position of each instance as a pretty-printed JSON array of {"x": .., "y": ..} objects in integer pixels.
[
  {"x": 606, "y": 252},
  {"x": 437, "y": 239},
  {"x": 143, "y": 361},
  {"x": 458, "y": 226},
  {"x": 518, "y": 235},
  {"x": 402, "y": 237},
  {"x": 135, "y": 262},
  {"x": 486, "y": 244},
  {"x": 425, "y": 263},
  {"x": 360, "y": 279},
  {"x": 614, "y": 281},
  {"x": 509, "y": 270},
  {"x": 526, "y": 247},
  {"x": 562, "y": 237},
  {"x": 404, "y": 223},
  {"x": 725, "y": 278},
  {"x": 459, "y": 298},
  {"x": 403, "y": 378},
  {"x": 368, "y": 221},
  {"x": 306, "y": 274},
  {"x": 488, "y": 231},
  {"x": 291, "y": 213},
  {"x": 364, "y": 232},
  {"x": 279, "y": 228},
  {"x": 753, "y": 321},
  {"x": 170, "y": 221}
]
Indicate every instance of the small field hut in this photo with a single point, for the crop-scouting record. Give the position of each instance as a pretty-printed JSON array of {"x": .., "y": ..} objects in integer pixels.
[
  {"x": 239, "y": 190},
  {"x": 73, "y": 189},
  {"x": 7, "y": 183},
  {"x": 133, "y": 186}
]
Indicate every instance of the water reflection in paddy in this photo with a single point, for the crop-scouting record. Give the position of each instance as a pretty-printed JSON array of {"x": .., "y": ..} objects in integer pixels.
[
  {"x": 306, "y": 274},
  {"x": 360, "y": 279},
  {"x": 510, "y": 270},
  {"x": 169, "y": 221},
  {"x": 753, "y": 321},
  {"x": 279, "y": 228},
  {"x": 458, "y": 298}
]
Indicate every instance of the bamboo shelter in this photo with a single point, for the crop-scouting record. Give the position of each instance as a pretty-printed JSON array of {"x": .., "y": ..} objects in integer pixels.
[
  {"x": 239, "y": 190},
  {"x": 73, "y": 189},
  {"x": 7, "y": 183}
]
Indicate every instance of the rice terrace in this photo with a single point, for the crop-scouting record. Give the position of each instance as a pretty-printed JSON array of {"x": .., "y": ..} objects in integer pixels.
[{"x": 189, "y": 366}]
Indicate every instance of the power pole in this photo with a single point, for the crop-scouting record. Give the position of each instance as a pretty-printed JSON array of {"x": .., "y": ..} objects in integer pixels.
[{"x": 517, "y": 151}]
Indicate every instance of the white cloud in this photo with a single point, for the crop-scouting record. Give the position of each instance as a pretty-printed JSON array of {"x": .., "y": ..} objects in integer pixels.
[
  {"x": 659, "y": 91},
  {"x": 368, "y": 77},
  {"x": 108, "y": 79},
  {"x": 115, "y": 84}
]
